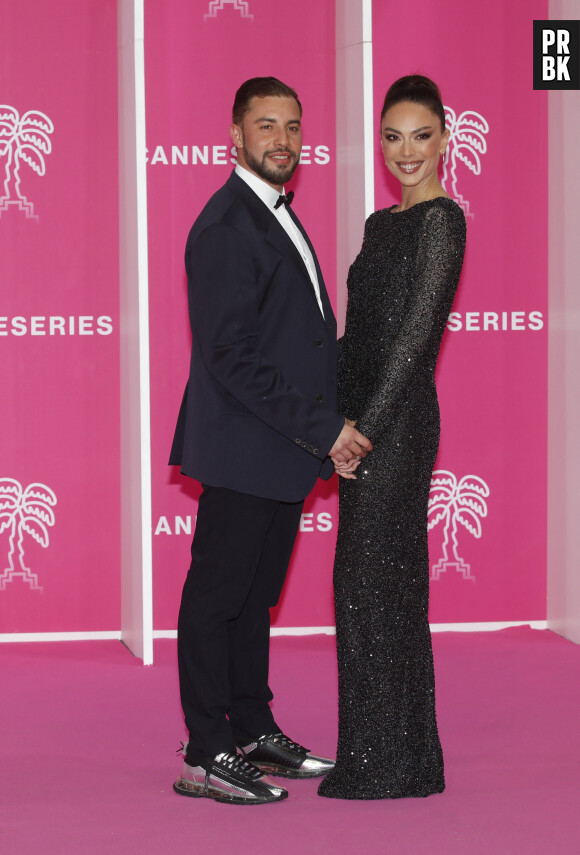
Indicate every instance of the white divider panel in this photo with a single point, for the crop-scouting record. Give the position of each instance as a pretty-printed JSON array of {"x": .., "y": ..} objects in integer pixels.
[
  {"x": 564, "y": 355},
  {"x": 354, "y": 132},
  {"x": 136, "y": 560}
]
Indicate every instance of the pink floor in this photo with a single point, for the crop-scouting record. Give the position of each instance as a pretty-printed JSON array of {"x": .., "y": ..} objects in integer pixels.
[{"x": 88, "y": 738}]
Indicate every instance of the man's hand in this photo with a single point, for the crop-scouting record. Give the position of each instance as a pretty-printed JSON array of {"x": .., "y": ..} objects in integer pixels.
[{"x": 350, "y": 446}]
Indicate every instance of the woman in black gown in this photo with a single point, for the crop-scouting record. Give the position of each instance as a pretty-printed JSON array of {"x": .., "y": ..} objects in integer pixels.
[{"x": 400, "y": 291}]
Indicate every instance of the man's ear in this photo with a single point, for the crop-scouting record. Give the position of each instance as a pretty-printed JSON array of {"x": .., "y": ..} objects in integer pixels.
[{"x": 237, "y": 135}]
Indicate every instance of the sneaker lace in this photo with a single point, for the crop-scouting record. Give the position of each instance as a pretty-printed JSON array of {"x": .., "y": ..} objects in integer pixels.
[{"x": 236, "y": 763}]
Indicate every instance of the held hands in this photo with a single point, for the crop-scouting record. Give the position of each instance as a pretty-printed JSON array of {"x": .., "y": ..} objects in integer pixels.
[{"x": 348, "y": 450}]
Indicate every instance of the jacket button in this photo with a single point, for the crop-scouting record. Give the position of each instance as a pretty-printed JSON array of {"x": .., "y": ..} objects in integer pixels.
[
  {"x": 297, "y": 440},
  {"x": 316, "y": 451},
  {"x": 304, "y": 444},
  {"x": 319, "y": 397},
  {"x": 319, "y": 342}
]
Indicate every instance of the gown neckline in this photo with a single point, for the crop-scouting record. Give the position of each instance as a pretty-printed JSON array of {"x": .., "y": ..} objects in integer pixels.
[{"x": 417, "y": 204}]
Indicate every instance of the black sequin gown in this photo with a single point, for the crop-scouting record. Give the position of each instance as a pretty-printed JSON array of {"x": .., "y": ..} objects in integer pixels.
[{"x": 400, "y": 291}]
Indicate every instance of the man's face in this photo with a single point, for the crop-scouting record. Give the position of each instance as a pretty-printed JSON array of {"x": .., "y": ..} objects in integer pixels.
[{"x": 269, "y": 140}]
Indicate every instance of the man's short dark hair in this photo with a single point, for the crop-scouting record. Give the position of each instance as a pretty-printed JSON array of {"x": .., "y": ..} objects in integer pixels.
[{"x": 259, "y": 87}]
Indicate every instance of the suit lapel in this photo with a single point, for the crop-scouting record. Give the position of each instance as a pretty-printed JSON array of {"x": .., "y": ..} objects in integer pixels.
[
  {"x": 328, "y": 312},
  {"x": 277, "y": 237}
]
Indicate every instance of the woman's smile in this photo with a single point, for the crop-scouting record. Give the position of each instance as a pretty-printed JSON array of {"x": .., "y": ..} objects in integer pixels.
[{"x": 410, "y": 168}]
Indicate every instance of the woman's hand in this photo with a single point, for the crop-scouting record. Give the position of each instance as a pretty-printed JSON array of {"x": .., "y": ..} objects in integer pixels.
[
  {"x": 350, "y": 446},
  {"x": 346, "y": 470}
]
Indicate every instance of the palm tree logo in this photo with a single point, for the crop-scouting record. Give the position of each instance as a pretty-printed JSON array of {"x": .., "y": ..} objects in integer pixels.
[
  {"x": 466, "y": 143},
  {"x": 28, "y": 511},
  {"x": 458, "y": 503},
  {"x": 25, "y": 140},
  {"x": 216, "y": 6}
]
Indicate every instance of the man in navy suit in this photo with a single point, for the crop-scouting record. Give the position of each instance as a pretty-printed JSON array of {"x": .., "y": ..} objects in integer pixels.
[{"x": 257, "y": 426}]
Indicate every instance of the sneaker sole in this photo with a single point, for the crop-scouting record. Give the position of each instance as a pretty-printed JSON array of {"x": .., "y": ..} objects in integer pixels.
[{"x": 184, "y": 789}]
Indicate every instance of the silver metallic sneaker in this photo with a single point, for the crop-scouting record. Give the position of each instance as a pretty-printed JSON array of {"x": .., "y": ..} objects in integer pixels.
[
  {"x": 230, "y": 778},
  {"x": 278, "y": 755}
]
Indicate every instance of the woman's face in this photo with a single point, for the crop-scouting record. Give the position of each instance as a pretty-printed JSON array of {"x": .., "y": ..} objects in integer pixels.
[{"x": 412, "y": 143}]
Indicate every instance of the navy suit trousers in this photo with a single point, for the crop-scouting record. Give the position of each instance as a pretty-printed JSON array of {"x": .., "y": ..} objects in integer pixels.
[{"x": 240, "y": 553}]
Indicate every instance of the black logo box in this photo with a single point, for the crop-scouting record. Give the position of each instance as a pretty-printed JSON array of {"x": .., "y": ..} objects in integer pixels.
[{"x": 556, "y": 54}]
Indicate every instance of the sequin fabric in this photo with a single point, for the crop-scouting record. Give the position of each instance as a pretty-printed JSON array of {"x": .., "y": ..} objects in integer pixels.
[{"x": 400, "y": 292}]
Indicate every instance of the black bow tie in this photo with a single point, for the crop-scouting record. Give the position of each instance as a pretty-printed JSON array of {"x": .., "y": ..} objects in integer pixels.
[{"x": 284, "y": 200}]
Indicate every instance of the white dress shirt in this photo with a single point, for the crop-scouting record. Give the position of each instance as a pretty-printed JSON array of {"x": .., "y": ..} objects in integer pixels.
[{"x": 269, "y": 197}]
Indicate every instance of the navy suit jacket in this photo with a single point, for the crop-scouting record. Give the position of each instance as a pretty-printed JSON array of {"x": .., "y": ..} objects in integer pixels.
[{"x": 259, "y": 413}]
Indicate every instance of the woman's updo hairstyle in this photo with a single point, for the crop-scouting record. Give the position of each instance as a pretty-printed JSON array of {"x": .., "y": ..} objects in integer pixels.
[{"x": 419, "y": 90}]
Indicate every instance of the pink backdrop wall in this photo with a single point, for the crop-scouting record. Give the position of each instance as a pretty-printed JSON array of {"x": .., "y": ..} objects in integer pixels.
[
  {"x": 492, "y": 382},
  {"x": 58, "y": 317},
  {"x": 194, "y": 64},
  {"x": 60, "y": 414}
]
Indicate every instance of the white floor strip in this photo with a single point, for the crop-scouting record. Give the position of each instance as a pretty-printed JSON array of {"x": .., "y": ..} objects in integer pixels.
[
  {"x": 60, "y": 636},
  {"x": 485, "y": 626}
]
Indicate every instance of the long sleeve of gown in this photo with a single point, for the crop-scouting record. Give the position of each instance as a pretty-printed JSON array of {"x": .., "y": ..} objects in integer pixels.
[{"x": 436, "y": 272}]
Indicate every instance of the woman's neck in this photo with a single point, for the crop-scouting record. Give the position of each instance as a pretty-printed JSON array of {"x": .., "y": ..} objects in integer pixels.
[{"x": 413, "y": 195}]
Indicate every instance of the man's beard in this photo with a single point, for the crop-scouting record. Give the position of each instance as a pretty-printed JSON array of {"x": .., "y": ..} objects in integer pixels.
[{"x": 272, "y": 174}]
